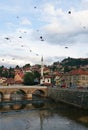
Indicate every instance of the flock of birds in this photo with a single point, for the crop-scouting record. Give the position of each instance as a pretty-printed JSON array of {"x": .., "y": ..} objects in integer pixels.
[{"x": 40, "y": 37}]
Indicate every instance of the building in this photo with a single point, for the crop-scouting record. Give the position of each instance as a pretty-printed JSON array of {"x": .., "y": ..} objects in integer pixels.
[
  {"x": 58, "y": 78},
  {"x": 77, "y": 78},
  {"x": 46, "y": 80},
  {"x": 18, "y": 78},
  {"x": 2, "y": 80}
]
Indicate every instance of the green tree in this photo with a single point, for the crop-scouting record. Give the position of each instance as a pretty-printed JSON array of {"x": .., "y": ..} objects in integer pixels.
[
  {"x": 11, "y": 73},
  {"x": 28, "y": 79},
  {"x": 36, "y": 77},
  {"x": 66, "y": 69},
  {"x": 1, "y": 69},
  {"x": 27, "y": 65},
  {"x": 36, "y": 74},
  {"x": 5, "y": 73},
  {"x": 17, "y": 67}
]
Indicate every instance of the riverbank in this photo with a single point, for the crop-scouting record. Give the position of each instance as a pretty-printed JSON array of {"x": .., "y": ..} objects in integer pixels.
[{"x": 75, "y": 97}]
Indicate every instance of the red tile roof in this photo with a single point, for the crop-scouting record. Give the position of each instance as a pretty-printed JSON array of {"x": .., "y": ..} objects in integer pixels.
[
  {"x": 9, "y": 81},
  {"x": 79, "y": 72},
  {"x": 47, "y": 76}
]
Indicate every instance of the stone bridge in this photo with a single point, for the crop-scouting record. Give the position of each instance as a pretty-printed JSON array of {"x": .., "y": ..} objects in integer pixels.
[{"x": 6, "y": 92}]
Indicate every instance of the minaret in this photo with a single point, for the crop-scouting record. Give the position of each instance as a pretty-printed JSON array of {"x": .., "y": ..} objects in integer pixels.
[{"x": 42, "y": 67}]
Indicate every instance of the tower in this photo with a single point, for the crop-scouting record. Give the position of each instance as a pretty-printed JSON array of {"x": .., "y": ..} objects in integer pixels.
[{"x": 42, "y": 67}]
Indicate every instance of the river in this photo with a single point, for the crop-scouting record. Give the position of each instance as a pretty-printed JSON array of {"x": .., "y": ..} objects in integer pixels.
[{"x": 43, "y": 116}]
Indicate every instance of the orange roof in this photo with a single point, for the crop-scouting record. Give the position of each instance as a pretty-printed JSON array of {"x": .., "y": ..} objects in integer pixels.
[
  {"x": 46, "y": 69},
  {"x": 21, "y": 74},
  {"x": 79, "y": 72},
  {"x": 56, "y": 73}
]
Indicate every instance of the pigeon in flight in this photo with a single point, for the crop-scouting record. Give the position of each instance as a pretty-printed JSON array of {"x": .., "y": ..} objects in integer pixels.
[{"x": 69, "y": 12}]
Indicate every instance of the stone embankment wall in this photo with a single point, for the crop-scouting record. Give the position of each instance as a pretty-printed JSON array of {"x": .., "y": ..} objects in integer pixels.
[{"x": 75, "y": 97}]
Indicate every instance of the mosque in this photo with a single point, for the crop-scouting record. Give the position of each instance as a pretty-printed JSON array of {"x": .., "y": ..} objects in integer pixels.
[{"x": 44, "y": 80}]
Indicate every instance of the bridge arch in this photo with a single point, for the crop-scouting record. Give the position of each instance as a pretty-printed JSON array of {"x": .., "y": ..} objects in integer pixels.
[
  {"x": 1, "y": 96},
  {"x": 18, "y": 94},
  {"x": 38, "y": 92}
]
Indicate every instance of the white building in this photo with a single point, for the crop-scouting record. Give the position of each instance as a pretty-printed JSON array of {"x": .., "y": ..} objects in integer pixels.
[{"x": 44, "y": 80}]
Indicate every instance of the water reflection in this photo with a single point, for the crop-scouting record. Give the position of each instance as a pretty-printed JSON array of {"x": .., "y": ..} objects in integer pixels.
[
  {"x": 17, "y": 107},
  {"x": 44, "y": 116},
  {"x": 22, "y": 104}
]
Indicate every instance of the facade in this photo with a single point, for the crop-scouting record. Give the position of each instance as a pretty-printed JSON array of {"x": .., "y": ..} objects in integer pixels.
[
  {"x": 2, "y": 80},
  {"x": 18, "y": 79},
  {"x": 46, "y": 80},
  {"x": 77, "y": 78},
  {"x": 58, "y": 78}
]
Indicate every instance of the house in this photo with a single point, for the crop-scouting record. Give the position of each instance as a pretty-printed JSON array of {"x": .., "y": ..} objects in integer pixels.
[
  {"x": 78, "y": 78},
  {"x": 46, "y": 80},
  {"x": 2, "y": 80},
  {"x": 26, "y": 69},
  {"x": 18, "y": 78},
  {"x": 58, "y": 78},
  {"x": 46, "y": 70},
  {"x": 9, "y": 81}
]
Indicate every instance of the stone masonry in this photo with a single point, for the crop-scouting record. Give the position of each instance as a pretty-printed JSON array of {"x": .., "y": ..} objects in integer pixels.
[{"x": 75, "y": 97}]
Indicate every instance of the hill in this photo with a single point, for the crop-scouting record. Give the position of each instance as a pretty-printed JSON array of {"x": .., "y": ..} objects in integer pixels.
[
  {"x": 75, "y": 62},
  {"x": 68, "y": 64}
]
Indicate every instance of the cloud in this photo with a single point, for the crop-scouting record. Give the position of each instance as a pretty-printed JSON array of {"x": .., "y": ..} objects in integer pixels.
[
  {"x": 25, "y": 21},
  {"x": 63, "y": 28},
  {"x": 84, "y": 4},
  {"x": 51, "y": 59},
  {"x": 50, "y": 20}
]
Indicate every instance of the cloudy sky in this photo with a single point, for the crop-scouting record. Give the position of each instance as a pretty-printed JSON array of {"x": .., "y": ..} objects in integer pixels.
[{"x": 54, "y": 29}]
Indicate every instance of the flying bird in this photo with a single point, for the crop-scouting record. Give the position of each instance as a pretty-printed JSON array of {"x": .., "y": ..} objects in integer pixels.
[
  {"x": 35, "y": 7},
  {"x": 7, "y": 38},
  {"x": 25, "y": 32},
  {"x": 66, "y": 47},
  {"x": 20, "y": 37},
  {"x": 41, "y": 37},
  {"x": 69, "y": 12}
]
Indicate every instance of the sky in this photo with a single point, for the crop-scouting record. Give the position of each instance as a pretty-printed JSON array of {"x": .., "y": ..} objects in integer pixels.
[{"x": 54, "y": 29}]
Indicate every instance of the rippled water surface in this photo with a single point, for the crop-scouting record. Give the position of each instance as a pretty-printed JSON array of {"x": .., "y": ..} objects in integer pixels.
[{"x": 48, "y": 116}]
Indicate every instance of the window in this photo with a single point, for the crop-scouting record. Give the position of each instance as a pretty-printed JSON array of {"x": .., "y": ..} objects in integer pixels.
[{"x": 83, "y": 78}]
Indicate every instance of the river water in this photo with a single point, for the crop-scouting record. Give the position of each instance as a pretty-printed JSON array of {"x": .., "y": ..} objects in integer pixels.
[{"x": 43, "y": 116}]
